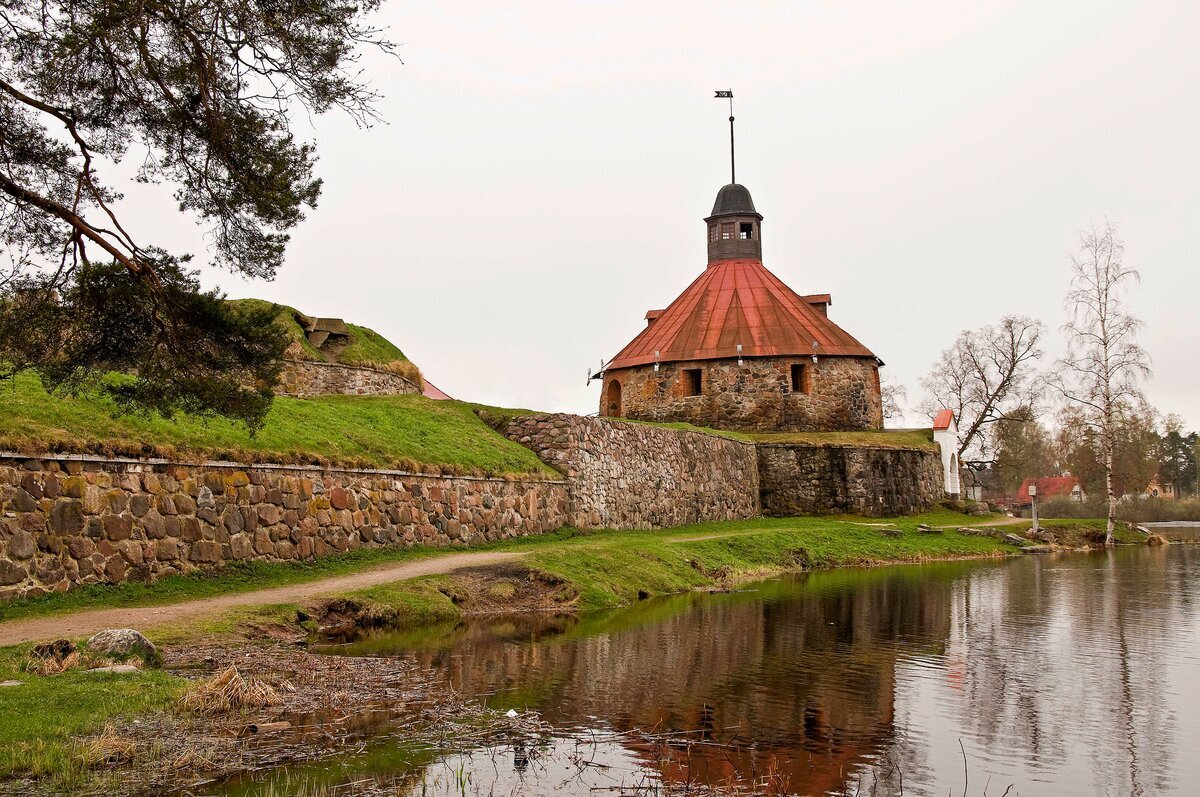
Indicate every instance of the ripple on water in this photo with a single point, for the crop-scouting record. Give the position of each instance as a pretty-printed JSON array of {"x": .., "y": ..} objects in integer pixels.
[{"x": 1071, "y": 675}]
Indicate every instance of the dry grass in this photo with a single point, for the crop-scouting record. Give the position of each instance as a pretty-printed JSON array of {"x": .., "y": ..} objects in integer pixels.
[
  {"x": 108, "y": 748},
  {"x": 228, "y": 691},
  {"x": 76, "y": 660},
  {"x": 190, "y": 761},
  {"x": 406, "y": 369}
]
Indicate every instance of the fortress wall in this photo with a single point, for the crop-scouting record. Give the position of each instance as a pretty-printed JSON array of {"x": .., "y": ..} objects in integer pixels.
[
  {"x": 810, "y": 480},
  {"x": 309, "y": 378},
  {"x": 625, "y": 475},
  {"x": 87, "y": 520},
  {"x": 840, "y": 394}
]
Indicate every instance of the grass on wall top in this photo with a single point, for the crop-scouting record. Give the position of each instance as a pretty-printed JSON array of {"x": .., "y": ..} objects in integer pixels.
[
  {"x": 921, "y": 439},
  {"x": 403, "y": 432},
  {"x": 366, "y": 346}
]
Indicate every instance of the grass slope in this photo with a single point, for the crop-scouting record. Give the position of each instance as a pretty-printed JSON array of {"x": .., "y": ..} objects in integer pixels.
[
  {"x": 405, "y": 432},
  {"x": 366, "y": 346}
]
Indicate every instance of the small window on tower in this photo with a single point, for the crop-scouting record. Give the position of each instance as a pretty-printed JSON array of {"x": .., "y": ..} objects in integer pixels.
[
  {"x": 727, "y": 230},
  {"x": 747, "y": 230},
  {"x": 799, "y": 378},
  {"x": 693, "y": 381},
  {"x": 713, "y": 233}
]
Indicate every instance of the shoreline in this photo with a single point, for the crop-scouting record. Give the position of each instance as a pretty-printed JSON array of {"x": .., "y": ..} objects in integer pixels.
[{"x": 566, "y": 575}]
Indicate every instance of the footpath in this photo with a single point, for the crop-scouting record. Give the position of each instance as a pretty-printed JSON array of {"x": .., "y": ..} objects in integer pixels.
[{"x": 89, "y": 621}]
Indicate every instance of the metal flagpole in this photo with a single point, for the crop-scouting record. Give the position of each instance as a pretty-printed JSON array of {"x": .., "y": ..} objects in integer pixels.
[{"x": 732, "y": 162}]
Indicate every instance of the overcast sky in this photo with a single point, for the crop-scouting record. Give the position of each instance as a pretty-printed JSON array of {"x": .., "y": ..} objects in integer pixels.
[{"x": 544, "y": 169}]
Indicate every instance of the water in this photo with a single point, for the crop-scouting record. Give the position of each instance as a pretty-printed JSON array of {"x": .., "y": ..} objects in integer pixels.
[
  {"x": 1177, "y": 530},
  {"x": 1061, "y": 675}
]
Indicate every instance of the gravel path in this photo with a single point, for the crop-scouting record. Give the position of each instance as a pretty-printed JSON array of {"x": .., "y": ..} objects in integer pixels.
[{"x": 88, "y": 622}]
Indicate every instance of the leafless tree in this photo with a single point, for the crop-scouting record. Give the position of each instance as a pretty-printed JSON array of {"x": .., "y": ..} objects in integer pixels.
[
  {"x": 894, "y": 395},
  {"x": 1104, "y": 362},
  {"x": 985, "y": 377}
]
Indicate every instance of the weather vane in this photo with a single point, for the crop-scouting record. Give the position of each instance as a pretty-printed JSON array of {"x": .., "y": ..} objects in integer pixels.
[{"x": 728, "y": 94}]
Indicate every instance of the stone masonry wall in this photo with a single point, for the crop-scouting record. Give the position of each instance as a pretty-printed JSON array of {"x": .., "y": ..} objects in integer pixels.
[
  {"x": 308, "y": 378},
  {"x": 71, "y": 521},
  {"x": 842, "y": 394},
  {"x": 626, "y": 475},
  {"x": 810, "y": 480}
]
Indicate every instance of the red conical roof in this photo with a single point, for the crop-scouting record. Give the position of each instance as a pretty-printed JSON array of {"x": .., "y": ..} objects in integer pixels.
[{"x": 732, "y": 302}]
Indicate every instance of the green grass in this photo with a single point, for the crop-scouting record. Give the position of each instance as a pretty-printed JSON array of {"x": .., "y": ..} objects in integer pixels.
[
  {"x": 883, "y": 438},
  {"x": 613, "y": 569},
  {"x": 405, "y": 432},
  {"x": 40, "y": 720},
  {"x": 880, "y": 438},
  {"x": 366, "y": 346},
  {"x": 1076, "y": 531}
]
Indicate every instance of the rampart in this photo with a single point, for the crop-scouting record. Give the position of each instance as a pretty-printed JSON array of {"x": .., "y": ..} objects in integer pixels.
[
  {"x": 813, "y": 480},
  {"x": 73, "y": 520},
  {"x": 84, "y": 520},
  {"x": 313, "y": 378},
  {"x": 626, "y": 475}
]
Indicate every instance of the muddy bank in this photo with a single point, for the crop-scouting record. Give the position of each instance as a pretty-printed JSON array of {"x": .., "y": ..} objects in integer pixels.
[{"x": 320, "y": 706}]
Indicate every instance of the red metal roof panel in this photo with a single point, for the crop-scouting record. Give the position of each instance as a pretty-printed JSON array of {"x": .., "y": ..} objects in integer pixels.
[{"x": 738, "y": 302}]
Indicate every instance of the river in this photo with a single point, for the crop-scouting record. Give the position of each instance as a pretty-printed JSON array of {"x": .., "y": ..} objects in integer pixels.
[{"x": 1070, "y": 674}]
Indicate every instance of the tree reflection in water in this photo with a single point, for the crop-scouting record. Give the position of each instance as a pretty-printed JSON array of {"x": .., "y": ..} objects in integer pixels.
[{"x": 1062, "y": 675}]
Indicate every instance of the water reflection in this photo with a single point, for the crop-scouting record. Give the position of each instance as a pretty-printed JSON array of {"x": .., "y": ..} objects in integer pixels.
[{"x": 1062, "y": 675}]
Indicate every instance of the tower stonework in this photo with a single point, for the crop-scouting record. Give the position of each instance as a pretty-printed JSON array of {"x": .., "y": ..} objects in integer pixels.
[{"x": 740, "y": 350}]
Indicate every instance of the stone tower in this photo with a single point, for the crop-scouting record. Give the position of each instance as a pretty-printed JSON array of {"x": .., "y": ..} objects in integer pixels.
[{"x": 740, "y": 350}]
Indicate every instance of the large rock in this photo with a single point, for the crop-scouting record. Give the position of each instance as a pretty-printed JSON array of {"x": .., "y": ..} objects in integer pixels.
[{"x": 121, "y": 643}]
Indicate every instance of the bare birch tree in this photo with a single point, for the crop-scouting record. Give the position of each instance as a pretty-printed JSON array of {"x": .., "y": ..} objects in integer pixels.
[
  {"x": 893, "y": 395},
  {"x": 986, "y": 377},
  {"x": 1104, "y": 362}
]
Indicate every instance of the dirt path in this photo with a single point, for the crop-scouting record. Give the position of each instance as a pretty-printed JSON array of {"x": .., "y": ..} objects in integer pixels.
[{"x": 86, "y": 623}]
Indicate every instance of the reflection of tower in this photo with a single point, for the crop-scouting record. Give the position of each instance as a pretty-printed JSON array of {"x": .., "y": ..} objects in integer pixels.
[{"x": 805, "y": 670}]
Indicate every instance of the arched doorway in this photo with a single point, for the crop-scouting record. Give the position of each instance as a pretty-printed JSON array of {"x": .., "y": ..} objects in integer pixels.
[{"x": 612, "y": 399}]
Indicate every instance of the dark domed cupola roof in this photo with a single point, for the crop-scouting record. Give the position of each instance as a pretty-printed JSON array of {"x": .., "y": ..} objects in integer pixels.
[
  {"x": 735, "y": 227},
  {"x": 734, "y": 200}
]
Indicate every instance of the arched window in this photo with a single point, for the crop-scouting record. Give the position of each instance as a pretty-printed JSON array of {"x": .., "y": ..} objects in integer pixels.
[{"x": 612, "y": 399}]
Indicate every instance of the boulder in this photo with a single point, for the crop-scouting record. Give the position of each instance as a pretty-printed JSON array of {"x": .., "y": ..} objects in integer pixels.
[
  {"x": 117, "y": 669},
  {"x": 1013, "y": 539},
  {"x": 121, "y": 643}
]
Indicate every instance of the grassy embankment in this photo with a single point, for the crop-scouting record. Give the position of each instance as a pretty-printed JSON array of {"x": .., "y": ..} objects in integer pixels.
[
  {"x": 361, "y": 346},
  {"x": 405, "y": 432}
]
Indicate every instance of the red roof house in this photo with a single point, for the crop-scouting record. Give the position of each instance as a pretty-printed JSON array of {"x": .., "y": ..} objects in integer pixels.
[{"x": 1048, "y": 488}]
